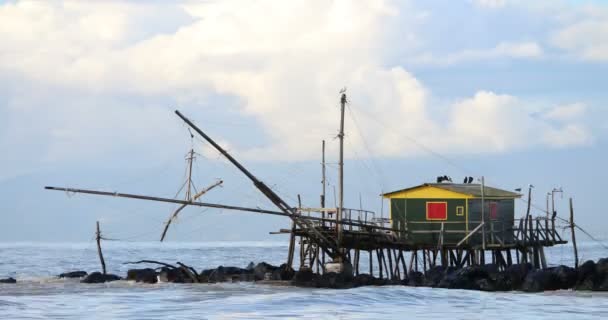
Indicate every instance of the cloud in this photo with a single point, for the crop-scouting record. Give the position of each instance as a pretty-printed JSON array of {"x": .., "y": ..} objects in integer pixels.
[
  {"x": 511, "y": 50},
  {"x": 566, "y": 112},
  {"x": 492, "y": 4},
  {"x": 586, "y": 39},
  {"x": 283, "y": 62}
]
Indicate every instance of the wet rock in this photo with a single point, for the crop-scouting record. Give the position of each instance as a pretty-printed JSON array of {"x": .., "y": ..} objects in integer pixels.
[
  {"x": 303, "y": 276},
  {"x": 587, "y": 277},
  {"x": 146, "y": 275},
  {"x": 217, "y": 275},
  {"x": 415, "y": 279},
  {"x": 364, "y": 279},
  {"x": 541, "y": 280},
  {"x": 172, "y": 275},
  {"x": 601, "y": 267},
  {"x": 502, "y": 281},
  {"x": 73, "y": 274},
  {"x": 601, "y": 275},
  {"x": 434, "y": 276},
  {"x": 485, "y": 284},
  {"x": 335, "y": 280},
  {"x": 516, "y": 274},
  {"x": 286, "y": 272},
  {"x": 98, "y": 277},
  {"x": 565, "y": 276},
  {"x": 261, "y": 269},
  {"x": 8, "y": 280},
  {"x": 586, "y": 270},
  {"x": 246, "y": 277}
]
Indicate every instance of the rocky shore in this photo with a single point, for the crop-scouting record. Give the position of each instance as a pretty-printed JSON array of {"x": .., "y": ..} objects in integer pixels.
[{"x": 590, "y": 276}]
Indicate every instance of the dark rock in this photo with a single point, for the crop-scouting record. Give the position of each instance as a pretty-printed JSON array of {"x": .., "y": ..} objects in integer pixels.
[
  {"x": 303, "y": 276},
  {"x": 261, "y": 269},
  {"x": 585, "y": 285},
  {"x": 98, "y": 277},
  {"x": 73, "y": 274},
  {"x": 587, "y": 276},
  {"x": 246, "y": 277},
  {"x": 217, "y": 275},
  {"x": 541, "y": 280},
  {"x": 146, "y": 275},
  {"x": 364, "y": 279},
  {"x": 601, "y": 267},
  {"x": 485, "y": 284},
  {"x": 502, "y": 282},
  {"x": 250, "y": 266},
  {"x": 586, "y": 270},
  {"x": 601, "y": 285},
  {"x": 434, "y": 276},
  {"x": 490, "y": 268},
  {"x": 334, "y": 280},
  {"x": 415, "y": 279},
  {"x": 286, "y": 272},
  {"x": 172, "y": 275},
  {"x": 8, "y": 280},
  {"x": 235, "y": 270},
  {"x": 600, "y": 281},
  {"x": 469, "y": 278},
  {"x": 566, "y": 277},
  {"x": 517, "y": 273}
]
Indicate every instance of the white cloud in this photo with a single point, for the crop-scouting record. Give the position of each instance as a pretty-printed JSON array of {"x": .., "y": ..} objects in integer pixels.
[
  {"x": 587, "y": 39},
  {"x": 492, "y": 4},
  {"x": 567, "y": 112},
  {"x": 284, "y": 61},
  {"x": 513, "y": 50}
]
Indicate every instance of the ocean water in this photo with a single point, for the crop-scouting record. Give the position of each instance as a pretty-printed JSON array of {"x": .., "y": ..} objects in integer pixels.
[{"x": 39, "y": 295}]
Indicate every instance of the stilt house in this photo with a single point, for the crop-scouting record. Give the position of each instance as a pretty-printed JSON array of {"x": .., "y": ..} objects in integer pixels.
[{"x": 445, "y": 213}]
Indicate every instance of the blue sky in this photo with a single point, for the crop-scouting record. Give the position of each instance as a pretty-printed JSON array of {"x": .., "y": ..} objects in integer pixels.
[{"x": 511, "y": 90}]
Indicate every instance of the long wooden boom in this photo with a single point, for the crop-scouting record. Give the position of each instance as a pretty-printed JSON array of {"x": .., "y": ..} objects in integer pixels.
[{"x": 208, "y": 205}]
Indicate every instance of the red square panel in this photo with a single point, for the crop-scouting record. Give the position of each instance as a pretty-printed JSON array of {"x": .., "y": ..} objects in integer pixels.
[
  {"x": 436, "y": 210},
  {"x": 493, "y": 210}
]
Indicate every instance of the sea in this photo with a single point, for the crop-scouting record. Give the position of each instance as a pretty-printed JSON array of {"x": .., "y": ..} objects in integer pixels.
[{"x": 39, "y": 294}]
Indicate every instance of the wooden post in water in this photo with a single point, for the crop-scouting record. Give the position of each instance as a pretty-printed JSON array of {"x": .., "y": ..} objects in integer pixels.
[
  {"x": 98, "y": 238},
  {"x": 573, "y": 234},
  {"x": 371, "y": 264}
]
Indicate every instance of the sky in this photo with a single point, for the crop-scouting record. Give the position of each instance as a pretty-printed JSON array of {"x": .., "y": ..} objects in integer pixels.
[{"x": 514, "y": 91}]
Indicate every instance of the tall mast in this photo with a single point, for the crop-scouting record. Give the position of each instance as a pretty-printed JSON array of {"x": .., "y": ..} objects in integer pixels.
[
  {"x": 341, "y": 171},
  {"x": 323, "y": 196},
  {"x": 190, "y": 160}
]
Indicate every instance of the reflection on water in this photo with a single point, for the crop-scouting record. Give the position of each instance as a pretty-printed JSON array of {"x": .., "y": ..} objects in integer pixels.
[{"x": 39, "y": 295}]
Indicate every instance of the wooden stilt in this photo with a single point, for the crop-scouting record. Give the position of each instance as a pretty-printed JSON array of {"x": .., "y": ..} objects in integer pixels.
[
  {"x": 371, "y": 264},
  {"x": 379, "y": 264},
  {"x": 101, "y": 260},
  {"x": 572, "y": 225},
  {"x": 403, "y": 264},
  {"x": 390, "y": 264}
]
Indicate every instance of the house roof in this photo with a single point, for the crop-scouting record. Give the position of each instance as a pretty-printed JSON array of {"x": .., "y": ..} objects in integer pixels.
[{"x": 471, "y": 190}]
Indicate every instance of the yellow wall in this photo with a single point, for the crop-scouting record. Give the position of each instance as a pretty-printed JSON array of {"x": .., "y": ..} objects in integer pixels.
[{"x": 428, "y": 192}]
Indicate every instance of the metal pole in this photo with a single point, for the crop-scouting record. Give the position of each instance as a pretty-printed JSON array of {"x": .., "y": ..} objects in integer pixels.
[
  {"x": 323, "y": 181},
  {"x": 483, "y": 214},
  {"x": 323, "y": 194},
  {"x": 341, "y": 171}
]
